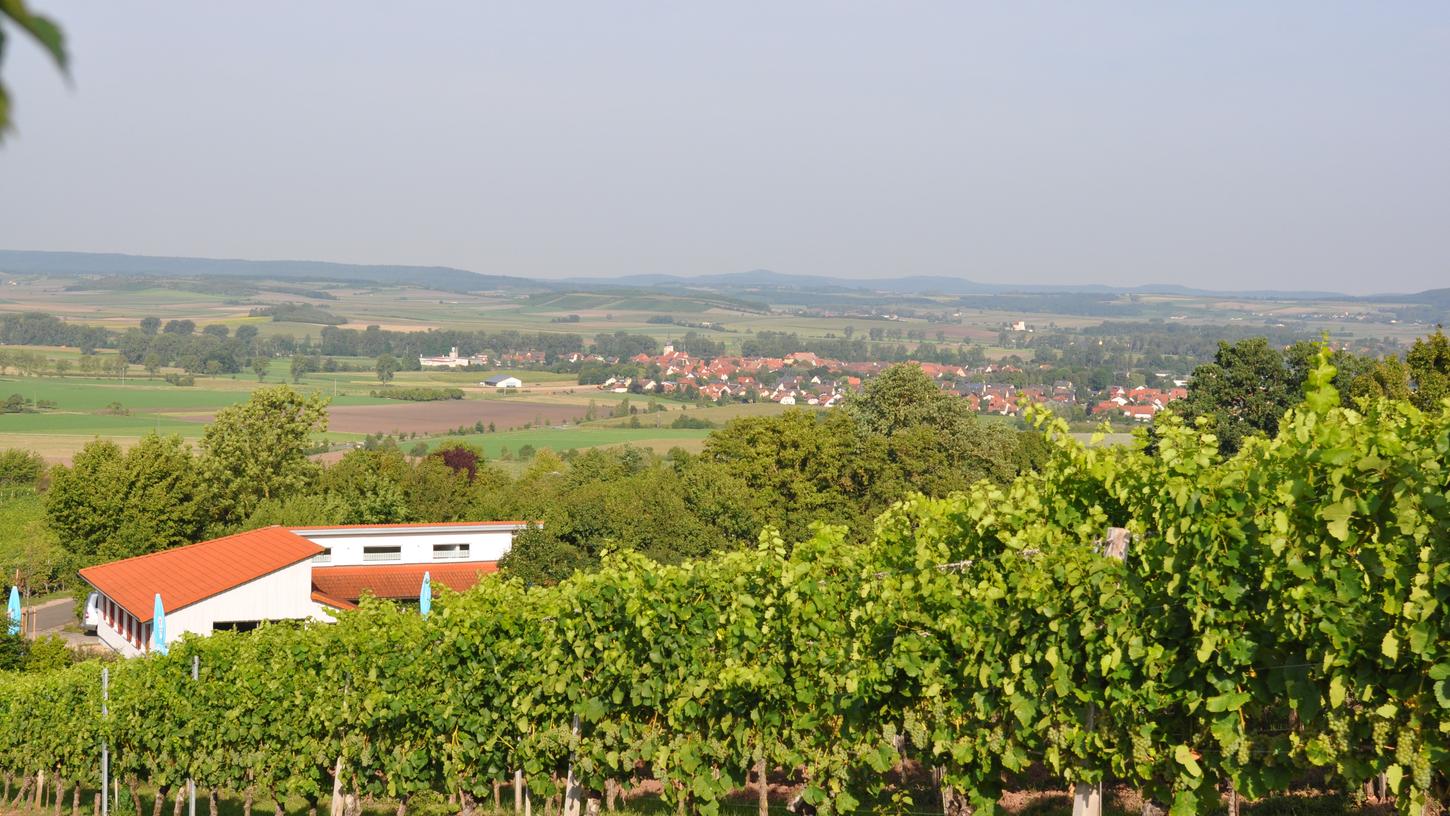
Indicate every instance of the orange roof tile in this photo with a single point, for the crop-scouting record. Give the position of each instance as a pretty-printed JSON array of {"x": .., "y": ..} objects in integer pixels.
[
  {"x": 396, "y": 580},
  {"x": 195, "y": 572},
  {"x": 335, "y": 603}
]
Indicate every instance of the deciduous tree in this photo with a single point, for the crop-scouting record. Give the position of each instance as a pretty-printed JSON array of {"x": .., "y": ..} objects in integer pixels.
[{"x": 258, "y": 450}]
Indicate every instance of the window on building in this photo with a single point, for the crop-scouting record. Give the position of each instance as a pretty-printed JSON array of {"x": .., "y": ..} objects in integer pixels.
[
  {"x": 324, "y": 557},
  {"x": 450, "y": 552},
  {"x": 382, "y": 553}
]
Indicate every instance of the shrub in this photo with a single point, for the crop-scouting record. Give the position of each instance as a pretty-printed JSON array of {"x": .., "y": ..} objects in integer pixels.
[
  {"x": 419, "y": 394},
  {"x": 20, "y": 468},
  {"x": 683, "y": 421}
]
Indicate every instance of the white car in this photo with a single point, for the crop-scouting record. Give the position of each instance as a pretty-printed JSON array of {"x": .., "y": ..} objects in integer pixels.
[{"x": 92, "y": 618}]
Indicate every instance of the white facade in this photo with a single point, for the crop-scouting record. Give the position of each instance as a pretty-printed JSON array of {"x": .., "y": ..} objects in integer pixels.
[
  {"x": 282, "y": 595},
  {"x": 503, "y": 382},
  {"x": 452, "y": 360},
  {"x": 413, "y": 544}
]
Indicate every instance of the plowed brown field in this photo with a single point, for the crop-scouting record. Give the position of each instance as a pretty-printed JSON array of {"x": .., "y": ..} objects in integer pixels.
[
  {"x": 434, "y": 417},
  {"x": 431, "y": 417}
]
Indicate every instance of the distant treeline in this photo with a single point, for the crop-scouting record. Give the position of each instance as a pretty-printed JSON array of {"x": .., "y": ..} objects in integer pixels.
[
  {"x": 232, "y": 287},
  {"x": 1072, "y": 304},
  {"x": 215, "y": 349},
  {"x": 299, "y": 313},
  {"x": 856, "y": 349},
  {"x": 419, "y": 394},
  {"x": 373, "y": 341}
]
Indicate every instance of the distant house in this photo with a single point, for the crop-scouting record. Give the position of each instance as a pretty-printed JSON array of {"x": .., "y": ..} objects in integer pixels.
[
  {"x": 504, "y": 381},
  {"x": 1140, "y": 413}
]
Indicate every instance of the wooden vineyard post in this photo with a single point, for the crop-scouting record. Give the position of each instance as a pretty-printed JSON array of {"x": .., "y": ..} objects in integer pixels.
[
  {"x": 573, "y": 791},
  {"x": 337, "y": 787},
  {"x": 1087, "y": 800},
  {"x": 762, "y": 787}
]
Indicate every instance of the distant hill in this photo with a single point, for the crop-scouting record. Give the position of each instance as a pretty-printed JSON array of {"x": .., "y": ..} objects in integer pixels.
[
  {"x": 743, "y": 287},
  {"x": 924, "y": 285},
  {"x": 25, "y": 262},
  {"x": 1430, "y": 297}
]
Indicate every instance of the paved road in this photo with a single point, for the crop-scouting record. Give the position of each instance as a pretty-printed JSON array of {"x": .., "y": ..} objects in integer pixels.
[{"x": 53, "y": 615}]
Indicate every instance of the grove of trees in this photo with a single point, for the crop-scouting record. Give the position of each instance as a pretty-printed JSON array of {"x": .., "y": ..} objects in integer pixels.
[{"x": 1250, "y": 383}]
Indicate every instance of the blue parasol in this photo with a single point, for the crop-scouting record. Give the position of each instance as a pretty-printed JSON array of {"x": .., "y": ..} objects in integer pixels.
[
  {"x": 425, "y": 596},
  {"x": 14, "y": 610},
  {"x": 158, "y": 627}
]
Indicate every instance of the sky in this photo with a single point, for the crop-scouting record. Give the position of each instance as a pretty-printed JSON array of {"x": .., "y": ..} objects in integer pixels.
[{"x": 1234, "y": 145}]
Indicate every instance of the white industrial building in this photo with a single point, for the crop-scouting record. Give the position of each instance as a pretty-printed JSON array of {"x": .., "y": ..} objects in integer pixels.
[
  {"x": 503, "y": 381},
  {"x": 281, "y": 573},
  {"x": 452, "y": 360}
]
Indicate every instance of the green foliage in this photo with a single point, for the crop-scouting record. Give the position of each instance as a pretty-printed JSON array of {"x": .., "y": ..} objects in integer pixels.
[
  {"x": 13, "y": 648},
  {"x": 109, "y": 505},
  {"x": 43, "y": 30},
  {"x": 1383, "y": 379},
  {"x": 686, "y": 421},
  {"x": 296, "y": 511},
  {"x": 418, "y": 394},
  {"x": 369, "y": 483},
  {"x": 1280, "y": 612},
  {"x": 901, "y": 434},
  {"x": 20, "y": 468},
  {"x": 387, "y": 366},
  {"x": 1243, "y": 392},
  {"x": 29, "y": 549},
  {"x": 1429, "y": 364},
  {"x": 258, "y": 450},
  {"x": 48, "y": 653}
]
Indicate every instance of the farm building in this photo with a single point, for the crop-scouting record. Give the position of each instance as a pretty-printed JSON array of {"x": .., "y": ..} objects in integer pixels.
[
  {"x": 452, "y": 360},
  {"x": 282, "y": 573},
  {"x": 503, "y": 381}
]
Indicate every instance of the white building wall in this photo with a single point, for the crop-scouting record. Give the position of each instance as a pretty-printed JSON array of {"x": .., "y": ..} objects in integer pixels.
[
  {"x": 283, "y": 595},
  {"x": 110, "y": 634},
  {"x": 415, "y": 547}
]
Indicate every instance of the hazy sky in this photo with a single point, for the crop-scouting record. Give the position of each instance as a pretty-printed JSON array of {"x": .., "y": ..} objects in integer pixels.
[{"x": 1226, "y": 145}]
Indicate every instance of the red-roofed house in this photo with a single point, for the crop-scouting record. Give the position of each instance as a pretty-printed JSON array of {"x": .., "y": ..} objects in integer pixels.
[{"x": 278, "y": 573}]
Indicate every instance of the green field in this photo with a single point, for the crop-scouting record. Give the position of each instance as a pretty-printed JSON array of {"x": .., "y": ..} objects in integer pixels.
[
  {"x": 578, "y": 437},
  {"x": 719, "y": 414},
  {"x": 126, "y": 409}
]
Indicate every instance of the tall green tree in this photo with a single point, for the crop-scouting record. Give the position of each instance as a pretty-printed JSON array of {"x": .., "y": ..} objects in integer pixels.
[
  {"x": 1389, "y": 378},
  {"x": 370, "y": 483},
  {"x": 1243, "y": 392},
  {"x": 1429, "y": 364},
  {"x": 387, "y": 366},
  {"x": 933, "y": 438},
  {"x": 108, "y": 504},
  {"x": 800, "y": 468},
  {"x": 258, "y": 450}
]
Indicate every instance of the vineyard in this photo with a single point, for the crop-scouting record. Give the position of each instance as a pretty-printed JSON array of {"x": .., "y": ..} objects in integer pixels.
[{"x": 1278, "y": 614}]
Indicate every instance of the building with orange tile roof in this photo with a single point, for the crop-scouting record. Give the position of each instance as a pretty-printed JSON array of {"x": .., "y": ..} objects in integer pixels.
[{"x": 280, "y": 573}]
